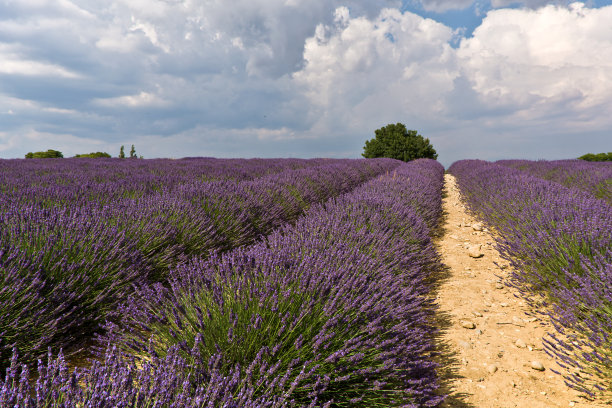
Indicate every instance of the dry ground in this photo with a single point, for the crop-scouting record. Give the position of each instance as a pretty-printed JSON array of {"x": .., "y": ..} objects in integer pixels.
[{"x": 488, "y": 368}]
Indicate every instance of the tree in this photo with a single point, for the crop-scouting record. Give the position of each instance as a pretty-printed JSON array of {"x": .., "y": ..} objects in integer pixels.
[
  {"x": 49, "y": 154},
  {"x": 597, "y": 157},
  {"x": 121, "y": 153},
  {"x": 396, "y": 142},
  {"x": 93, "y": 155},
  {"x": 133, "y": 153}
]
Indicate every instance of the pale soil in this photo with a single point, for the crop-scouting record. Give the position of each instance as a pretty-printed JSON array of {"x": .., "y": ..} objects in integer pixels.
[{"x": 473, "y": 285}]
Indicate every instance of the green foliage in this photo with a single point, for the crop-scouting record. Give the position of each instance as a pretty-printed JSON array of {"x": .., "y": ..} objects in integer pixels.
[
  {"x": 597, "y": 157},
  {"x": 121, "y": 153},
  {"x": 93, "y": 155},
  {"x": 133, "y": 153},
  {"x": 49, "y": 154},
  {"x": 396, "y": 142}
]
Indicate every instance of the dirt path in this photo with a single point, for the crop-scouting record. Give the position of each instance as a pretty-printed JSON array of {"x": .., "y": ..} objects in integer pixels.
[{"x": 491, "y": 363}]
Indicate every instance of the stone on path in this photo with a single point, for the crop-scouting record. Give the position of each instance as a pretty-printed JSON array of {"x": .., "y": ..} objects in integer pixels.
[
  {"x": 466, "y": 324},
  {"x": 475, "y": 252},
  {"x": 520, "y": 343},
  {"x": 492, "y": 369},
  {"x": 536, "y": 365},
  {"x": 477, "y": 227}
]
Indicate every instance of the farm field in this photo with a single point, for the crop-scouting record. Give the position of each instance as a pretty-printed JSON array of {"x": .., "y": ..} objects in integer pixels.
[{"x": 288, "y": 282}]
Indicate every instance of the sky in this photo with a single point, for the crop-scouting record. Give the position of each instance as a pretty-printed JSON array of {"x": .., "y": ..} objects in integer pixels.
[{"x": 490, "y": 79}]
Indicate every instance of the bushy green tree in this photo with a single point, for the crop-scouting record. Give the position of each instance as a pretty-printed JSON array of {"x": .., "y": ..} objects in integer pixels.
[
  {"x": 49, "y": 154},
  {"x": 396, "y": 142},
  {"x": 121, "y": 153},
  {"x": 133, "y": 153},
  {"x": 94, "y": 155},
  {"x": 597, "y": 157}
]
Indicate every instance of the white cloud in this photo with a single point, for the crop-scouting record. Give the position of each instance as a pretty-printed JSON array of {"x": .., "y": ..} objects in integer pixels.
[
  {"x": 61, "y": 111},
  {"x": 283, "y": 133},
  {"x": 361, "y": 72},
  {"x": 14, "y": 105},
  {"x": 142, "y": 99},
  {"x": 13, "y": 63},
  {"x": 541, "y": 59},
  {"x": 116, "y": 39}
]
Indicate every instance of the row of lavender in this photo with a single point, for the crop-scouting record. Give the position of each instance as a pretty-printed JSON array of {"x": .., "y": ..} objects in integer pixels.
[
  {"x": 559, "y": 240},
  {"x": 592, "y": 177},
  {"x": 65, "y": 267},
  {"x": 331, "y": 311},
  {"x": 57, "y": 182}
]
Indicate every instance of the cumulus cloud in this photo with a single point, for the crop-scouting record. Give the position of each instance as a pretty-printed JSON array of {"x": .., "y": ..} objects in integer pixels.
[
  {"x": 533, "y": 83},
  {"x": 359, "y": 70},
  {"x": 538, "y": 61}
]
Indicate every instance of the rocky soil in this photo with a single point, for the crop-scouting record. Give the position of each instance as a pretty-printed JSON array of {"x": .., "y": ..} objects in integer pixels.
[{"x": 490, "y": 343}]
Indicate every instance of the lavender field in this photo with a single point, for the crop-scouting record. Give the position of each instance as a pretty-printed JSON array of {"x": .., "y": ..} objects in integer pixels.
[
  {"x": 207, "y": 282},
  {"x": 218, "y": 282}
]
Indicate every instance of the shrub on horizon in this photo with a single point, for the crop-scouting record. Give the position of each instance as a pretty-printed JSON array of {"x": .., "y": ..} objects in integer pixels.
[
  {"x": 395, "y": 142},
  {"x": 49, "y": 154},
  {"x": 598, "y": 157},
  {"x": 93, "y": 155}
]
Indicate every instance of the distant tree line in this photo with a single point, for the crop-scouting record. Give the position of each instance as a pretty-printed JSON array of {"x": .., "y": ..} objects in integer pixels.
[
  {"x": 94, "y": 155},
  {"x": 56, "y": 154},
  {"x": 49, "y": 154},
  {"x": 597, "y": 157}
]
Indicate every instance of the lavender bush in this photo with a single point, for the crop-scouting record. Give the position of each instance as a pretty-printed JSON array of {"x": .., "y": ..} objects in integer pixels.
[
  {"x": 327, "y": 312},
  {"x": 61, "y": 272},
  {"x": 558, "y": 239},
  {"x": 84, "y": 252}
]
